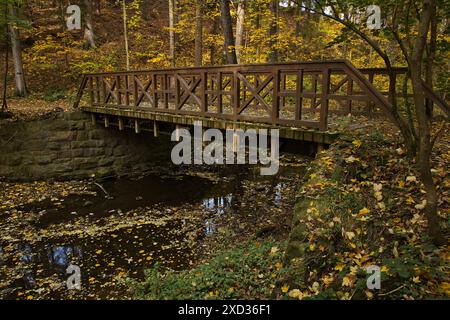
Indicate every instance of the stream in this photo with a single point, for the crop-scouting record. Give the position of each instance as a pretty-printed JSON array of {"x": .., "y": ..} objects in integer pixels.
[{"x": 114, "y": 230}]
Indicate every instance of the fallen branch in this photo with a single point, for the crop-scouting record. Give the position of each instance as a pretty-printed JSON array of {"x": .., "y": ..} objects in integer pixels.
[
  {"x": 390, "y": 292},
  {"x": 102, "y": 188}
]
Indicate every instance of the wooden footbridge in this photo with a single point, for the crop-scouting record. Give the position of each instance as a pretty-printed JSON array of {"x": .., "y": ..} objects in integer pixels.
[{"x": 305, "y": 100}]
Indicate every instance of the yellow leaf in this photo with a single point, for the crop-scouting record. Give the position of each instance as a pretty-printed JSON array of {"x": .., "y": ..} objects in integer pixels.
[
  {"x": 364, "y": 211},
  {"x": 357, "y": 143},
  {"x": 369, "y": 294},
  {"x": 339, "y": 267},
  {"x": 98, "y": 251},
  {"x": 350, "y": 235},
  {"x": 347, "y": 281},
  {"x": 285, "y": 288},
  {"x": 295, "y": 293}
]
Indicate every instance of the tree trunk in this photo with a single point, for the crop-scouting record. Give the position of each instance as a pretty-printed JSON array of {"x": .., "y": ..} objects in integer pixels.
[
  {"x": 240, "y": 29},
  {"x": 88, "y": 28},
  {"x": 298, "y": 21},
  {"x": 212, "y": 47},
  {"x": 5, "y": 78},
  {"x": 125, "y": 34},
  {"x": 21, "y": 89},
  {"x": 424, "y": 143},
  {"x": 145, "y": 9},
  {"x": 227, "y": 26},
  {"x": 172, "y": 32},
  {"x": 273, "y": 31},
  {"x": 199, "y": 34},
  {"x": 257, "y": 27},
  {"x": 431, "y": 55}
]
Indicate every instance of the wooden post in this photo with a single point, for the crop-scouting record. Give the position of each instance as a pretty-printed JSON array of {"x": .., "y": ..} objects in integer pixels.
[
  {"x": 155, "y": 129},
  {"x": 177, "y": 132},
  {"x": 118, "y": 91},
  {"x": 324, "y": 100},
  {"x": 349, "y": 93},
  {"x": 177, "y": 92},
  {"x": 135, "y": 92},
  {"x": 155, "y": 89},
  {"x": 369, "y": 103},
  {"x": 120, "y": 124},
  {"x": 137, "y": 127},
  {"x": 93, "y": 118},
  {"x": 203, "y": 96},
  {"x": 299, "y": 98},
  {"x": 127, "y": 91},
  {"x": 236, "y": 95},
  {"x": 235, "y": 139},
  {"x": 276, "y": 96},
  {"x": 91, "y": 91},
  {"x": 106, "y": 121},
  {"x": 219, "y": 93}
]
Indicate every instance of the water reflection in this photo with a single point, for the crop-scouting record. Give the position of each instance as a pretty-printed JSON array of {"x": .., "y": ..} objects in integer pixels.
[
  {"x": 64, "y": 255},
  {"x": 210, "y": 227},
  {"x": 218, "y": 205},
  {"x": 54, "y": 258},
  {"x": 279, "y": 194}
]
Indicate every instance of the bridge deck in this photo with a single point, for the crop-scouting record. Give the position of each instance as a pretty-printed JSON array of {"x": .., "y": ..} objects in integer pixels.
[{"x": 147, "y": 118}]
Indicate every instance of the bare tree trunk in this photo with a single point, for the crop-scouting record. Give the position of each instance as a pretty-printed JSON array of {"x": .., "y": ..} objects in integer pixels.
[
  {"x": 212, "y": 47},
  {"x": 172, "y": 32},
  {"x": 5, "y": 79},
  {"x": 199, "y": 34},
  {"x": 21, "y": 89},
  {"x": 431, "y": 55},
  {"x": 98, "y": 7},
  {"x": 240, "y": 28},
  {"x": 273, "y": 31},
  {"x": 424, "y": 143},
  {"x": 145, "y": 9},
  {"x": 125, "y": 33},
  {"x": 227, "y": 26},
  {"x": 88, "y": 28},
  {"x": 257, "y": 27},
  {"x": 298, "y": 23}
]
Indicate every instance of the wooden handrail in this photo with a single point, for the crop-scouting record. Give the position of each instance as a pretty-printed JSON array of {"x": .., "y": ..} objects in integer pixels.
[{"x": 299, "y": 94}]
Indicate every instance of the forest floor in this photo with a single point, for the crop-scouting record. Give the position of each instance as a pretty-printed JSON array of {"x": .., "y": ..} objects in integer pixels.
[{"x": 33, "y": 108}]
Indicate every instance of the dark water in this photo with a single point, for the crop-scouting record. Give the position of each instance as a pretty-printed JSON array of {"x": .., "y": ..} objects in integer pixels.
[
  {"x": 107, "y": 258},
  {"x": 123, "y": 194}
]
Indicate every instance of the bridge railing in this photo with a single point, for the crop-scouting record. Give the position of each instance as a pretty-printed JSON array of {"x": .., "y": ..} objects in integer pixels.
[{"x": 291, "y": 94}]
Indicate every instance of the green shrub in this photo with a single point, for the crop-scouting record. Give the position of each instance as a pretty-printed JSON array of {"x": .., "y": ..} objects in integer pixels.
[{"x": 54, "y": 93}]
